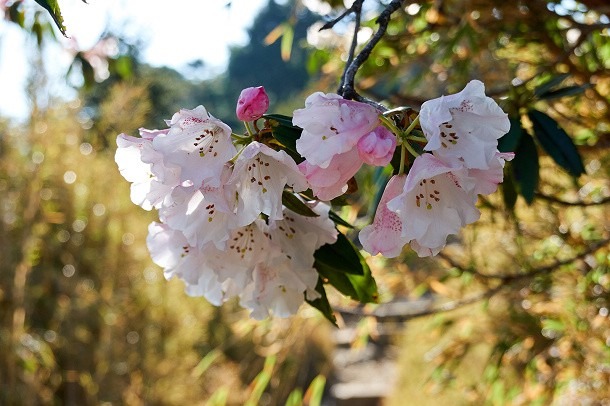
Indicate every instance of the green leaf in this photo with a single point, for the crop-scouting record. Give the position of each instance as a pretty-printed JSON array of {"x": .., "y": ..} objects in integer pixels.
[
  {"x": 549, "y": 84},
  {"x": 322, "y": 303},
  {"x": 341, "y": 256},
  {"x": 525, "y": 168},
  {"x": 313, "y": 395},
  {"x": 16, "y": 14},
  {"x": 509, "y": 190},
  {"x": 338, "y": 220},
  {"x": 565, "y": 92},
  {"x": 53, "y": 8},
  {"x": 557, "y": 143},
  {"x": 284, "y": 131},
  {"x": 360, "y": 287},
  {"x": 287, "y": 40},
  {"x": 296, "y": 205},
  {"x": 509, "y": 142}
]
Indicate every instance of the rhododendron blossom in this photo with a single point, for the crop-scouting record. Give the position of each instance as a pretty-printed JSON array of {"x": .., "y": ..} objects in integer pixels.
[
  {"x": 377, "y": 147},
  {"x": 199, "y": 144},
  {"x": 253, "y": 102},
  {"x": 434, "y": 203},
  {"x": 464, "y": 126},
  {"x": 384, "y": 236},
  {"x": 331, "y": 126}
]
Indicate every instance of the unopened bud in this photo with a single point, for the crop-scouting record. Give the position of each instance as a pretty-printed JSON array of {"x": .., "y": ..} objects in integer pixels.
[{"x": 253, "y": 102}]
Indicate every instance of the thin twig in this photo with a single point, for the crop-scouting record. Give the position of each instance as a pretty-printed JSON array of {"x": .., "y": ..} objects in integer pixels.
[
  {"x": 348, "y": 90},
  {"x": 356, "y": 8},
  {"x": 579, "y": 203},
  {"x": 506, "y": 278}
]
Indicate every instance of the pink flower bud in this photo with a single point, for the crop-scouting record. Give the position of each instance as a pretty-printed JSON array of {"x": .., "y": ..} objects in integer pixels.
[
  {"x": 377, "y": 147},
  {"x": 253, "y": 102}
]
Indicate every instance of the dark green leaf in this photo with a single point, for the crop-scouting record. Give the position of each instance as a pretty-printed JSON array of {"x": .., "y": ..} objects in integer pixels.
[
  {"x": 338, "y": 220},
  {"x": 16, "y": 14},
  {"x": 359, "y": 287},
  {"x": 322, "y": 304},
  {"x": 509, "y": 142},
  {"x": 557, "y": 143},
  {"x": 296, "y": 205},
  {"x": 87, "y": 70},
  {"x": 284, "y": 131},
  {"x": 549, "y": 84},
  {"x": 526, "y": 167},
  {"x": 564, "y": 92},
  {"x": 509, "y": 191},
  {"x": 341, "y": 256},
  {"x": 53, "y": 8}
]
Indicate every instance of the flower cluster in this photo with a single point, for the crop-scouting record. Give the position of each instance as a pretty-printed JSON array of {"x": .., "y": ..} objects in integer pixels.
[
  {"x": 223, "y": 228},
  {"x": 438, "y": 195}
]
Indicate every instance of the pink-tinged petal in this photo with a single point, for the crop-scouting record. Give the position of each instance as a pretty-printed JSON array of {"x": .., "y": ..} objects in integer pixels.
[
  {"x": 434, "y": 202},
  {"x": 377, "y": 147},
  {"x": 487, "y": 180},
  {"x": 199, "y": 144},
  {"x": 253, "y": 102},
  {"x": 260, "y": 175},
  {"x": 330, "y": 182},
  {"x": 464, "y": 127},
  {"x": 151, "y": 134},
  {"x": 384, "y": 235},
  {"x": 332, "y": 126}
]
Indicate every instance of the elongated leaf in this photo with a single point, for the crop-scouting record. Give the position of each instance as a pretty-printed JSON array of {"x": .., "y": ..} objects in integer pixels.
[
  {"x": 341, "y": 256},
  {"x": 53, "y": 8},
  {"x": 549, "y": 84},
  {"x": 284, "y": 131},
  {"x": 509, "y": 191},
  {"x": 338, "y": 220},
  {"x": 322, "y": 303},
  {"x": 564, "y": 92},
  {"x": 359, "y": 287},
  {"x": 286, "y": 44},
  {"x": 509, "y": 142},
  {"x": 313, "y": 395},
  {"x": 526, "y": 168},
  {"x": 557, "y": 143},
  {"x": 296, "y": 205}
]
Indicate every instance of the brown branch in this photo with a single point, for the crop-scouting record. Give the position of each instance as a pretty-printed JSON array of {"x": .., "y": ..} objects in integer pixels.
[
  {"x": 579, "y": 203},
  {"x": 508, "y": 278}
]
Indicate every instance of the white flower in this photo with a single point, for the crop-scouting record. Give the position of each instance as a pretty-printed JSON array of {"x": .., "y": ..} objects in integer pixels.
[
  {"x": 486, "y": 180},
  {"x": 199, "y": 144},
  {"x": 464, "y": 126},
  {"x": 170, "y": 250},
  {"x": 260, "y": 175},
  {"x": 140, "y": 164},
  {"x": 434, "y": 203}
]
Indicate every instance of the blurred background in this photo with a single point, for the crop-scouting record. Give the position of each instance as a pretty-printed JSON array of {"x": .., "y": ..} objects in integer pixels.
[{"x": 514, "y": 311}]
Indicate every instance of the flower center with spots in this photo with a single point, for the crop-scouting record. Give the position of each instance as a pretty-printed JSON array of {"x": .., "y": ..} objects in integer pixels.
[
  {"x": 259, "y": 173},
  {"x": 243, "y": 242},
  {"x": 427, "y": 195},
  {"x": 207, "y": 141},
  {"x": 448, "y": 135}
]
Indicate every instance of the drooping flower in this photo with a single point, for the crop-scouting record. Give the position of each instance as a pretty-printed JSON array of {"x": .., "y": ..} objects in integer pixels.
[
  {"x": 384, "y": 235},
  {"x": 377, "y": 147},
  {"x": 332, "y": 126},
  {"x": 199, "y": 144},
  {"x": 260, "y": 175},
  {"x": 277, "y": 289},
  {"x": 436, "y": 201},
  {"x": 139, "y": 163},
  {"x": 204, "y": 215},
  {"x": 464, "y": 126},
  {"x": 331, "y": 181},
  {"x": 169, "y": 249},
  {"x": 253, "y": 102}
]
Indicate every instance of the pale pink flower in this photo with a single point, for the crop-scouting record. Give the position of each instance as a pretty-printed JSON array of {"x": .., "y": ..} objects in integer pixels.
[
  {"x": 141, "y": 165},
  {"x": 332, "y": 126},
  {"x": 170, "y": 250},
  {"x": 384, "y": 235},
  {"x": 331, "y": 181},
  {"x": 276, "y": 289},
  {"x": 260, "y": 175},
  {"x": 151, "y": 134},
  {"x": 253, "y": 102},
  {"x": 377, "y": 147},
  {"x": 464, "y": 126},
  {"x": 486, "y": 180},
  {"x": 436, "y": 201},
  {"x": 199, "y": 144}
]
